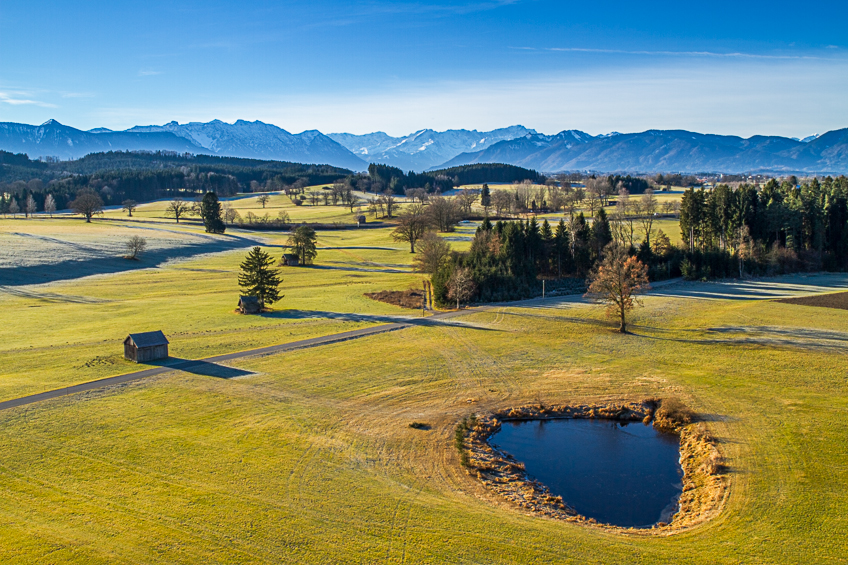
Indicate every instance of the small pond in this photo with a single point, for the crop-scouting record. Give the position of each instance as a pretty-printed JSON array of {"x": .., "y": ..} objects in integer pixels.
[{"x": 622, "y": 474}]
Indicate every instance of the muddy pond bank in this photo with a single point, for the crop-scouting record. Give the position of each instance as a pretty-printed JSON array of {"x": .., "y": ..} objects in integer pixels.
[{"x": 703, "y": 484}]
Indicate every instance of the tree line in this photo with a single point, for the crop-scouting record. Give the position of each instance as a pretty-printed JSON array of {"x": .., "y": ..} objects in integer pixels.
[
  {"x": 773, "y": 229},
  {"x": 393, "y": 179},
  {"x": 143, "y": 176},
  {"x": 507, "y": 258},
  {"x": 780, "y": 227}
]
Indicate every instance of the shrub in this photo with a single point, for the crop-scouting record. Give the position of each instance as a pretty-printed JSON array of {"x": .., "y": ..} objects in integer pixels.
[{"x": 674, "y": 410}]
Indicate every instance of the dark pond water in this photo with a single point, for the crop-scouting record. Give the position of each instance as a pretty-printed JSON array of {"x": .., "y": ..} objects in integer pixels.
[{"x": 626, "y": 475}]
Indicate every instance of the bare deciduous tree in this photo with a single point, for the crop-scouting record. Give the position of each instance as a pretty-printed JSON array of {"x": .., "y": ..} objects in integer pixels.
[
  {"x": 599, "y": 189},
  {"x": 230, "y": 214},
  {"x": 30, "y": 207},
  {"x": 616, "y": 281},
  {"x": 745, "y": 247},
  {"x": 503, "y": 201},
  {"x": 87, "y": 203},
  {"x": 523, "y": 196},
  {"x": 461, "y": 285},
  {"x": 443, "y": 213},
  {"x": 50, "y": 205},
  {"x": 594, "y": 203},
  {"x": 412, "y": 224},
  {"x": 136, "y": 246},
  {"x": 349, "y": 198},
  {"x": 129, "y": 207},
  {"x": 466, "y": 199},
  {"x": 178, "y": 208},
  {"x": 647, "y": 209},
  {"x": 389, "y": 202},
  {"x": 263, "y": 199},
  {"x": 433, "y": 252},
  {"x": 14, "y": 208}
]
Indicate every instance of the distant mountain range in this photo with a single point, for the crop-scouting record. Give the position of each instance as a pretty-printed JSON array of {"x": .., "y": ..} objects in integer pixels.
[
  {"x": 570, "y": 150},
  {"x": 668, "y": 150},
  {"x": 424, "y": 149},
  {"x": 254, "y": 140}
]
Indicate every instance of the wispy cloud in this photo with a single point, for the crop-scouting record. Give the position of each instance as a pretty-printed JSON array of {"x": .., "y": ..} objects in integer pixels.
[
  {"x": 148, "y": 73},
  {"x": 717, "y": 54},
  {"x": 15, "y": 99}
]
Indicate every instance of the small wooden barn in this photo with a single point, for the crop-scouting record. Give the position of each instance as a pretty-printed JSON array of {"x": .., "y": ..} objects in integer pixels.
[
  {"x": 147, "y": 346},
  {"x": 290, "y": 260},
  {"x": 249, "y": 305},
  {"x": 361, "y": 220}
]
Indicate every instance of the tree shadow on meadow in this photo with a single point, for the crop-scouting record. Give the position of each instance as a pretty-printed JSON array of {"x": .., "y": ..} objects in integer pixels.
[
  {"x": 410, "y": 320},
  {"x": 111, "y": 262},
  {"x": 766, "y": 336}
]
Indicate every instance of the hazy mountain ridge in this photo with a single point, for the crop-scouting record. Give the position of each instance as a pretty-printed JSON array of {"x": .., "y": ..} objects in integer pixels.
[
  {"x": 56, "y": 140},
  {"x": 254, "y": 140},
  {"x": 648, "y": 151},
  {"x": 669, "y": 150}
]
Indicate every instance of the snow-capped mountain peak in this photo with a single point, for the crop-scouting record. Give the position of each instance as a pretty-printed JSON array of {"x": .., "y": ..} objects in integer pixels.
[{"x": 424, "y": 148}]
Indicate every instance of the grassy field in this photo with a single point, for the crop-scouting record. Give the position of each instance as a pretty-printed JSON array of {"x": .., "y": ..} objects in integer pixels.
[
  {"x": 71, "y": 331},
  {"x": 279, "y": 202},
  {"x": 309, "y": 458}
]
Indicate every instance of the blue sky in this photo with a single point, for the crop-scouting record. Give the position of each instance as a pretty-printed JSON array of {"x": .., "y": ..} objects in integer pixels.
[{"x": 738, "y": 67}]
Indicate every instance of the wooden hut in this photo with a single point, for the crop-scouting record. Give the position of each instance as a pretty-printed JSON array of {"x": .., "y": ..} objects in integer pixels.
[
  {"x": 147, "y": 346},
  {"x": 249, "y": 305},
  {"x": 361, "y": 220},
  {"x": 290, "y": 260}
]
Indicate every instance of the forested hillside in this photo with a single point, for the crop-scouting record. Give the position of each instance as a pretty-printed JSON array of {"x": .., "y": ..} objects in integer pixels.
[
  {"x": 143, "y": 176},
  {"x": 397, "y": 181}
]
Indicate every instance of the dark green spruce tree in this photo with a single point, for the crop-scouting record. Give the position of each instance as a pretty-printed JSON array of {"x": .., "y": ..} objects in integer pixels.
[
  {"x": 601, "y": 233},
  {"x": 258, "y": 278},
  {"x": 485, "y": 197},
  {"x": 210, "y": 211},
  {"x": 562, "y": 250}
]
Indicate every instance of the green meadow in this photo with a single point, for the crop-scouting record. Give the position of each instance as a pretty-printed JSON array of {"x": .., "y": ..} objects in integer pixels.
[{"x": 307, "y": 456}]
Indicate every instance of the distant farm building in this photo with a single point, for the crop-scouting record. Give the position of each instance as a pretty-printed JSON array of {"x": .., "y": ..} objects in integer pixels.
[
  {"x": 361, "y": 220},
  {"x": 290, "y": 260},
  {"x": 249, "y": 305},
  {"x": 147, "y": 346}
]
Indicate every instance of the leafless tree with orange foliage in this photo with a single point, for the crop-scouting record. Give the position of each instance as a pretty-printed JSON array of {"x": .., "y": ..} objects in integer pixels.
[{"x": 616, "y": 281}]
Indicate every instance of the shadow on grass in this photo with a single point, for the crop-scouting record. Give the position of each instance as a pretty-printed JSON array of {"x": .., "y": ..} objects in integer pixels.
[
  {"x": 763, "y": 336},
  {"x": 106, "y": 263},
  {"x": 204, "y": 368},
  {"x": 374, "y": 268},
  {"x": 370, "y": 318}
]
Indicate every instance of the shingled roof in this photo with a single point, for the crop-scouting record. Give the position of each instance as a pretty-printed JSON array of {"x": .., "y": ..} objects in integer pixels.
[{"x": 149, "y": 339}]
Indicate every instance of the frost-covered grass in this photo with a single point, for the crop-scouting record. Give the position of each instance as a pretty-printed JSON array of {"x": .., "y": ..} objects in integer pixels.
[{"x": 70, "y": 331}]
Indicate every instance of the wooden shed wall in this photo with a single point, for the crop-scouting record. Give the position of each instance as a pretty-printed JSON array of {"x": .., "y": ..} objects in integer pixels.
[
  {"x": 152, "y": 353},
  {"x": 129, "y": 351}
]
